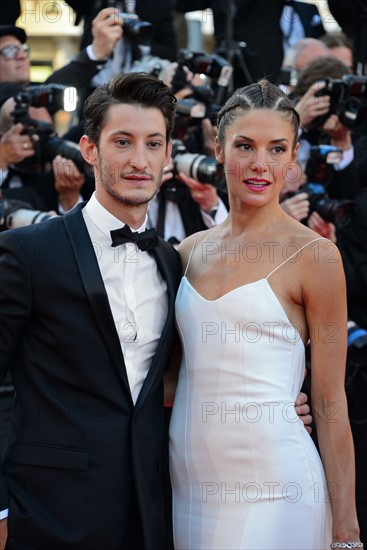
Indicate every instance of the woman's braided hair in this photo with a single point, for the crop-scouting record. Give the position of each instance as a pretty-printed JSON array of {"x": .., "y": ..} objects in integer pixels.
[{"x": 260, "y": 95}]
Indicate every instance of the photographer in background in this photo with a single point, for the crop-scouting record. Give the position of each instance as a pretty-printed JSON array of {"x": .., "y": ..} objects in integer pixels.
[
  {"x": 15, "y": 62},
  {"x": 320, "y": 126},
  {"x": 54, "y": 185},
  {"x": 119, "y": 37},
  {"x": 162, "y": 36},
  {"x": 32, "y": 190},
  {"x": 79, "y": 72}
]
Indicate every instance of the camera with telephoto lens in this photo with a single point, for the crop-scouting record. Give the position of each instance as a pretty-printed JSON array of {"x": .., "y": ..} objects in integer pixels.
[
  {"x": 348, "y": 100},
  {"x": 135, "y": 29},
  {"x": 318, "y": 172},
  {"x": 15, "y": 213},
  {"x": 200, "y": 167},
  {"x": 42, "y": 134}
]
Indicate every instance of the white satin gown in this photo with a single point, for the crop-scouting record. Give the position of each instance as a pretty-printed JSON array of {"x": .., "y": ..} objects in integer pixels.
[{"x": 245, "y": 473}]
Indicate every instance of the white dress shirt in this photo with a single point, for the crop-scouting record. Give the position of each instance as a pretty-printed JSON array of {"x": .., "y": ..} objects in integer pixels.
[{"x": 136, "y": 291}]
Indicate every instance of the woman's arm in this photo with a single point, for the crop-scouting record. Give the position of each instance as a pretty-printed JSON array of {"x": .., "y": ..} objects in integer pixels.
[{"x": 326, "y": 311}]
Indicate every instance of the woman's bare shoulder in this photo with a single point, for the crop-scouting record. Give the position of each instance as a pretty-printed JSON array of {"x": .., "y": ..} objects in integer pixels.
[{"x": 196, "y": 239}]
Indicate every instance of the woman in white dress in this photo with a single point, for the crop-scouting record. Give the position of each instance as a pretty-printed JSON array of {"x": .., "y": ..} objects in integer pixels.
[{"x": 245, "y": 473}]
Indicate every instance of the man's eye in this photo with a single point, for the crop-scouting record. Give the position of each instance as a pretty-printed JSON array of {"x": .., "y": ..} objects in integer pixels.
[
  {"x": 121, "y": 142},
  {"x": 155, "y": 144}
]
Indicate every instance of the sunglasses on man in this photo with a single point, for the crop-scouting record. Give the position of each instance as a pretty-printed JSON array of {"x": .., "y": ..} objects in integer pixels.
[{"x": 11, "y": 51}]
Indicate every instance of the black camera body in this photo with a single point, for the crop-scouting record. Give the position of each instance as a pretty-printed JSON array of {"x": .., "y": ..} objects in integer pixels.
[
  {"x": 47, "y": 144},
  {"x": 212, "y": 95},
  {"x": 213, "y": 66},
  {"x": 135, "y": 29},
  {"x": 338, "y": 212},
  {"x": 348, "y": 100}
]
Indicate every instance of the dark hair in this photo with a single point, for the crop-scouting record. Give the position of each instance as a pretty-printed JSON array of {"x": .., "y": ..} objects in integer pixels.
[
  {"x": 318, "y": 70},
  {"x": 133, "y": 89},
  {"x": 261, "y": 95},
  {"x": 336, "y": 39}
]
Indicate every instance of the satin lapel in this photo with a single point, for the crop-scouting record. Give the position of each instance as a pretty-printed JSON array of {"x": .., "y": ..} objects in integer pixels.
[
  {"x": 95, "y": 289},
  {"x": 158, "y": 366}
]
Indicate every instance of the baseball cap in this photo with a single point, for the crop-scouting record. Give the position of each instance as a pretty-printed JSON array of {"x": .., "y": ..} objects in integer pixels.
[{"x": 11, "y": 30}]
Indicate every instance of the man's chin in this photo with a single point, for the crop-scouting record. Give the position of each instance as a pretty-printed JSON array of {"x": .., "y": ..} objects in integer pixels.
[{"x": 135, "y": 201}]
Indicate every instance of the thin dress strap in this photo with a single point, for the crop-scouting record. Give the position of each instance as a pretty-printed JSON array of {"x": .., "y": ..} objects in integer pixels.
[
  {"x": 191, "y": 251},
  {"x": 295, "y": 254}
]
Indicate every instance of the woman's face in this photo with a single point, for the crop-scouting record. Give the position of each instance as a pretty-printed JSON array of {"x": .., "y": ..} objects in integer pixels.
[{"x": 257, "y": 155}]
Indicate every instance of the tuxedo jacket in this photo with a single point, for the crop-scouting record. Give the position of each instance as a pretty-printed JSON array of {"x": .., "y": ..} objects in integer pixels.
[{"x": 80, "y": 457}]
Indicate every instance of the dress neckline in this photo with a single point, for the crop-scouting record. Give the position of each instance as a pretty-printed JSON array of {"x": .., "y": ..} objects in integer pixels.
[
  {"x": 229, "y": 291},
  {"x": 236, "y": 289}
]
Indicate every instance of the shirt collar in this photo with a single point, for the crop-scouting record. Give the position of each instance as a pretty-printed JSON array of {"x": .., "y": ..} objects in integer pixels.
[{"x": 104, "y": 220}]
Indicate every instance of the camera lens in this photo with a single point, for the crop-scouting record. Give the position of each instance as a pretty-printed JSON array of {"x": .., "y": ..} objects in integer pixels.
[
  {"x": 68, "y": 149},
  {"x": 135, "y": 29},
  {"x": 200, "y": 167},
  {"x": 337, "y": 212}
]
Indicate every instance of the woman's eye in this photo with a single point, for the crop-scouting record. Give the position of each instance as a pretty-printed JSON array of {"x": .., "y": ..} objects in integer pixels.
[
  {"x": 244, "y": 146},
  {"x": 278, "y": 149}
]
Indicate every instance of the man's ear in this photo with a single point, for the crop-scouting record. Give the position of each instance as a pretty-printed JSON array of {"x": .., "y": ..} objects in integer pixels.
[
  {"x": 88, "y": 149},
  {"x": 168, "y": 153},
  {"x": 218, "y": 151}
]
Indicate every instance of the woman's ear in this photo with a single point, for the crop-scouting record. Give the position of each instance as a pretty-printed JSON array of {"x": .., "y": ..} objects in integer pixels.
[
  {"x": 88, "y": 149},
  {"x": 218, "y": 151},
  {"x": 295, "y": 152}
]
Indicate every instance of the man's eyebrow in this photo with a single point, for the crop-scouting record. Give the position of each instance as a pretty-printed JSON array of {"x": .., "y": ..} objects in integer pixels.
[{"x": 125, "y": 133}]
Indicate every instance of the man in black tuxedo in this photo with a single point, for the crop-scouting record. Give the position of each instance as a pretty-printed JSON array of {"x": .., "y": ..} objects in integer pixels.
[{"x": 86, "y": 324}]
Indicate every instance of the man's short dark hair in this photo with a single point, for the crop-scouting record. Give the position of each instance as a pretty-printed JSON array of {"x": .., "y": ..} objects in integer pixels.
[{"x": 131, "y": 88}]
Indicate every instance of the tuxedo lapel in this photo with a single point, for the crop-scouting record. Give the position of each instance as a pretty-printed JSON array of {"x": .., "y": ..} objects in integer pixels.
[{"x": 95, "y": 289}]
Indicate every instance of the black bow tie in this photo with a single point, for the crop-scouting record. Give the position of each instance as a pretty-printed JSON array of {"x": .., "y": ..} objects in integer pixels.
[{"x": 145, "y": 240}]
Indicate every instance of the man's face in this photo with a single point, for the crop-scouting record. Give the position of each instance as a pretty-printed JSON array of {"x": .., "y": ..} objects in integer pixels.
[
  {"x": 130, "y": 156},
  {"x": 15, "y": 70}
]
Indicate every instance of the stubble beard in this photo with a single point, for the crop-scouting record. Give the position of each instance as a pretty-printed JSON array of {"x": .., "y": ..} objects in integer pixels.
[{"x": 109, "y": 181}]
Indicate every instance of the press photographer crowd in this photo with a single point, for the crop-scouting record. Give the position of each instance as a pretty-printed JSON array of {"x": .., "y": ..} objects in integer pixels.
[{"x": 43, "y": 175}]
